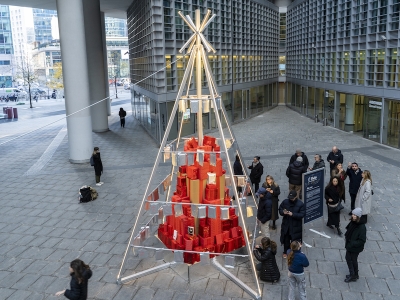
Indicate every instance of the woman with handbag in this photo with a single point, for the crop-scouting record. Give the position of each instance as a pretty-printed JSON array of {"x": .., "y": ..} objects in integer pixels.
[
  {"x": 273, "y": 189},
  {"x": 334, "y": 194}
]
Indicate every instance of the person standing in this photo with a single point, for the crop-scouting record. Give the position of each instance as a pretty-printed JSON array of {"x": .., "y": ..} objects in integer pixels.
[
  {"x": 319, "y": 163},
  {"x": 355, "y": 236},
  {"x": 273, "y": 189},
  {"x": 237, "y": 171},
  {"x": 293, "y": 212},
  {"x": 364, "y": 195},
  {"x": 297, "y": 261},
  {"x": 334, "y": 157},
  {"x": 295, "y": 174},
  {"x": 302, "y": 155},
  {"x": 98, "y": 165},
  {"x": 122, "y": 115},
  {"x": 80, "y": 275},
  {"x": 334, "y": 194},
  {"x": 265, "y": 253},
  {"x": 354, "y": 174},
  {"x": 257, "y": 170},
  {"x": 264, "y": 210}
]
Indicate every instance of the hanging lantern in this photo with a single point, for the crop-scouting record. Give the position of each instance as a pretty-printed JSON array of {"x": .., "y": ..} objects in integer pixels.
[
  {"x": 154, "y": 208},
  {"x": 200, "y": 156},
  {"x": 229, "y": 261},
  {"x": 212, "y": 212},
  {"x": 167, "y": 153},
  {"x": 201, "y": 212},
  {"x": 228, "y": 181},
  {"x": 167, "y": 210},
  {"x": 224, "y": 213},
  {"x": 190, "y": 158},
  {"x": 212, "y": 178},
  {"x": 204, "y": 259},
  {"x": 182, "y": 105},
  {"x": 213, "y": 159},
  {"x": 206, "y": 106},
  {"x": 178, "y": 256},
  {"x": 178, "y": 210},
  {"x": 194, "y": 106},
  {"x": 181, "y": 158}
]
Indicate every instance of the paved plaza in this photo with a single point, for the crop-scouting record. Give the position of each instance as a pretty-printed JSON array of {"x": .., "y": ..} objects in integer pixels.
[{"x": 43, "y": 228}]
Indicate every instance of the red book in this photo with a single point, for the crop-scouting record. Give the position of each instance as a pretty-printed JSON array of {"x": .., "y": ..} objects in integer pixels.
[
  {"x": 204, "y": 231},
  {"x": 226, "y": 225},
  {"x": 218, "y": 168},
  {"x": 220, "y": 248},
  {"x": 202, "y": 222},
  {"x": 192, "y": 172},
  {"x": 232, "y": 211},
  {"x": 234, "y": 232},
  {"x": 229, "y": 245},
  {"x": 219, "y": 238},
  {"x": 188, "y": 244},
  {"x": 226, "y": 235},
  {"x": 182, "y": 170}
]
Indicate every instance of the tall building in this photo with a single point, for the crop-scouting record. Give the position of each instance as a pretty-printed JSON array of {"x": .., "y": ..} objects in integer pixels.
[
  {"x": 42, "y": 24},
  {"x": 6, "y": 48},
  {"x": 343, "y": 65},
  {"x": 245, "y": 34}
]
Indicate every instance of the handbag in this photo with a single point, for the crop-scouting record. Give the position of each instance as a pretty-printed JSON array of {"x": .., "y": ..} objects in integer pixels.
[{"x": 335, "y": 208}]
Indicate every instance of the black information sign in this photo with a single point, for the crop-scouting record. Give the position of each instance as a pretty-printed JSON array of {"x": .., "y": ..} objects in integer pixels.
[{"x": 313, "y": 194}]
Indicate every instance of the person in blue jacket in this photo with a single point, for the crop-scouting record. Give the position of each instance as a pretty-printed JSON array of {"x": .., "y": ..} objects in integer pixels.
[
  {"x": 297, "y": 261},
  {"x": 264, "y": 211}
]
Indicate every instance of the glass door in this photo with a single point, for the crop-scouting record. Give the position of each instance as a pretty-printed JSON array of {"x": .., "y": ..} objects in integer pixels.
[
  {"x": 246, "y": 104},
  {"x": 329, "y": 107},
  {"x": 372, "y": 117}
]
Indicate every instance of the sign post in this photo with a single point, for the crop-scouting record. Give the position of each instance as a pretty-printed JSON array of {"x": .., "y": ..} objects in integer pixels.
[{"x": 313, "y": 197}]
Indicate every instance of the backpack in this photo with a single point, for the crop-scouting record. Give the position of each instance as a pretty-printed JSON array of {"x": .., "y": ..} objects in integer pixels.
[
  {"x": 92, "y": 161},
  {"x": 85, "y": 194}
]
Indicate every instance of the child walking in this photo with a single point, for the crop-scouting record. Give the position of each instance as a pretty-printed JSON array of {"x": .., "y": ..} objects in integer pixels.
[{"x": 297, "y": 261}]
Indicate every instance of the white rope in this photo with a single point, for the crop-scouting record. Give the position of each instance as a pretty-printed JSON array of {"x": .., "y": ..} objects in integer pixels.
[{"x": 63, "y": 118}]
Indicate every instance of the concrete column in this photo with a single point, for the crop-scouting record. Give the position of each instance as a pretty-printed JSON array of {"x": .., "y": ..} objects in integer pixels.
[
  {"x": 76, "y": 78},
  {"x": 95, "y": 61},
  {"x": 107, "y": 85},
  {"x": 349, "y": 114}
]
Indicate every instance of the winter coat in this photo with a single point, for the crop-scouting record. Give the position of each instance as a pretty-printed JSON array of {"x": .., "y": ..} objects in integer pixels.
[
  {"x": 358, "y": 239},
  {"x": 98, "y": 165},
  {"x": 305, "y": 160},
  {"x": 336, "y": 157},
  {"x": 294, "y": 172},
  {"x": 300, "y": 261},
  {"x": 355, "y": 180},
  {"x": 292, "y": 225},
  {"x": 275, "y": 200},
  {"x": 318, "y": 164},
  {"x": 332, "y": 193},
  {"x": 256, "y": 172},
  {"x": 264, "y": 211},
  {"x": 237, "y": 168},
  {"x": 342, "y": 175},
  {"x": 364, "y": 197},
  {"x": 122, "y": 114},
  {"x": 269, "y": 271},
  {"x": 78, "y": 290}
]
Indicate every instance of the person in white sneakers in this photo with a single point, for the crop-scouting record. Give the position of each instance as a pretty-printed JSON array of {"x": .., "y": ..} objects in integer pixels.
[{"x": 98, "y": 165}]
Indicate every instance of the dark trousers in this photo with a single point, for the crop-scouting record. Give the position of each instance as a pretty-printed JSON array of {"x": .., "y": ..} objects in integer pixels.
[
  {"x": 256, "y": 186},
  {"x": 353, "y": 200},
  {"x": 122, "y": 122},
  {"x": 351, "y": 259},
  {"x": 286, "y": 243},
  {"x": 97, "y": 178}
]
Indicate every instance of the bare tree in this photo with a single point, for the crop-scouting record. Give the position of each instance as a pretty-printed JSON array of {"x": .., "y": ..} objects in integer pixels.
[{"x": 27, "y": 73}]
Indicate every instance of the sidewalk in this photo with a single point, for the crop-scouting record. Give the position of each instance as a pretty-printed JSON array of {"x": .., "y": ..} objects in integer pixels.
[{"x": 43, "y": 228}]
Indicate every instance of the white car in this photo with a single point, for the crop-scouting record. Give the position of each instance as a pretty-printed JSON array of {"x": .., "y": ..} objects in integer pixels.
[{"x": 127, "y": 86}]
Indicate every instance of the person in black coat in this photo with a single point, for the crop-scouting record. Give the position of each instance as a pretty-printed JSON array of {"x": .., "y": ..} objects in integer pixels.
[
  {"x": 264, "y": 210},
  {"x": 334, "y": 157},
  {"x": 355, "y": 236},
  {"x": 80, "y": 275},
  {"x": 257, "y": 170},
  {"x": 273, "y": 188},
  {"x": 334, "y": 194},
  {"x": 302, "y": 155},
  {"x": 293, "y": 212},
  {"x": 319, "y": 163},
  {"x": 98, "y": 165},
  {"x": 295, "y": 174},
  {"x": 122, "y": 115},
  {"x": 265, "y": 253},
  {"x": 238, "y": 171},
  {"x": 354, "y": 174}
]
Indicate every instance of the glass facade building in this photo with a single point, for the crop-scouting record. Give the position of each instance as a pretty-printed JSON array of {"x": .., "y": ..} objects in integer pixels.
[
  {"x": 42, "y": 24},
  {"x": 246, "y": 36},
  {"x": 343, "y": 65},
  {"x": 6, "y": 48}
]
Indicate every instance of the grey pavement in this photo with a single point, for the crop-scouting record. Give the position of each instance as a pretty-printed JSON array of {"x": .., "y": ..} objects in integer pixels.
[{"x": 43, "y": 228}]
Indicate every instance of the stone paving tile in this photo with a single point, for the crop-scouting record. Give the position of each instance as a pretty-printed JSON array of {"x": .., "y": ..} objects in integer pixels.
[{"x": 42, "y": 228}]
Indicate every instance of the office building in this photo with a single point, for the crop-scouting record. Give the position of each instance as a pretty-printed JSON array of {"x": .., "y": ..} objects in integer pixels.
[
  {"x": 246, "y": 36},
  {"x": 6, "y": 48},
  {"x": 343, "y": 65}
]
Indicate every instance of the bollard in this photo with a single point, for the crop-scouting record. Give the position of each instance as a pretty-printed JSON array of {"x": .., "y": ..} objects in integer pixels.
[
  {"x": 9, "y": 112},
  {"x": 325, "y": 122},
  {"x": 15, "y": 111},
  {"x": 316, "y": 118}
]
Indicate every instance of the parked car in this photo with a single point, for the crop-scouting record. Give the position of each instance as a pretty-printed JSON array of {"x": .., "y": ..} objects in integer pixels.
[
  {"x": 11, "y": 92},
  {"x": 39, "y": 91},
  {"x": 127, "y": 86}
]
